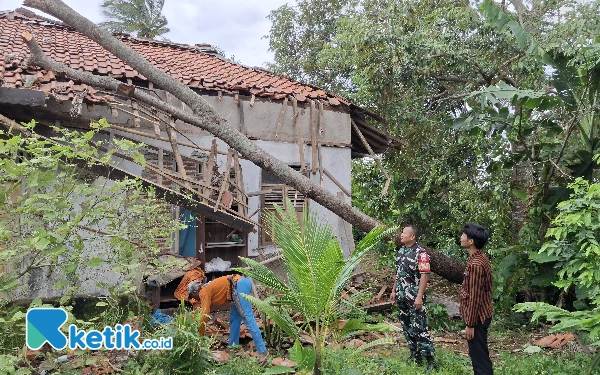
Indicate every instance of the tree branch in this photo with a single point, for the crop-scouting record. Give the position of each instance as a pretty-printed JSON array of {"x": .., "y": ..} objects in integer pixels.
[
  {"x": 205, "y": 117},
  {"x": 459, "y": 80}
]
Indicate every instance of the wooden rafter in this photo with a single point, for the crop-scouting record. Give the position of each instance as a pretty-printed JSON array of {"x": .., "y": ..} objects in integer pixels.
[
  {"x": 225, "y": 182},
  {"x": 112, "y": 172},
  {"x": 173, "y": 141},
  {"x": 375, "y": 157}
]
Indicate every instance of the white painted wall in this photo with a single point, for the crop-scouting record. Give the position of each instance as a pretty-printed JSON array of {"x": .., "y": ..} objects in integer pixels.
[{"x": 336, "y": 160}]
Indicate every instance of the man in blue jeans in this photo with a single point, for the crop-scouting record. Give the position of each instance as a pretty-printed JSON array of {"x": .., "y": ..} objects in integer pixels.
[{"x": 226, "y": 289}]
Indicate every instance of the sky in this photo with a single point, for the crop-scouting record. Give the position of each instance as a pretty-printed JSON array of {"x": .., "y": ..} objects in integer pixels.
[{"x": 235, "y": 26}]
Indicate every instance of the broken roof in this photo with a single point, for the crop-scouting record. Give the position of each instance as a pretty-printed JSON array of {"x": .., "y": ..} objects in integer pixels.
[{"x": 198, "y": 66}]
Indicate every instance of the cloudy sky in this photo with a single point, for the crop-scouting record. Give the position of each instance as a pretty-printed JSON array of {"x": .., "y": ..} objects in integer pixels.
[{"x": 236, "y": 26}]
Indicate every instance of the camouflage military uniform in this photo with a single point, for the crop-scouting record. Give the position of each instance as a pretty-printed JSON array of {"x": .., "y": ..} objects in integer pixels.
[{"x": 410, "y": 263}]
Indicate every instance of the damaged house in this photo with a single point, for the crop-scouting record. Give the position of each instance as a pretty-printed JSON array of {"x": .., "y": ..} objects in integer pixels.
[{"x": 205, "y": 183}]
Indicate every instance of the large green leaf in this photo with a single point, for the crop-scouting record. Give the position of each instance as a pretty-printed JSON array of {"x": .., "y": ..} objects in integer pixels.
[
  {"x": 355, "y": 325},
  {"x": 529, "y": 99},
  {"x": 378, "y": 342},
  {"x": 311, "y": 254},
  {"x": 304, "y": 357},
  {"x": 504, "y": 23},
  {"x": 282, "y": 320}
]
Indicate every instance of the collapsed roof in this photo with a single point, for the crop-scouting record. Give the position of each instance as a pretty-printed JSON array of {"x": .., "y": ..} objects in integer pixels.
[{"x": 199, "y": 67}]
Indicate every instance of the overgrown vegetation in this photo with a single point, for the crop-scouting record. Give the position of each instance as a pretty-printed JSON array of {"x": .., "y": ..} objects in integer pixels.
[
  {"x": 498, "y": 104},
  {"x": 191, "y": 351},
  {"x": 51, "y": 210},
  {"x": 317, "y": 274}
]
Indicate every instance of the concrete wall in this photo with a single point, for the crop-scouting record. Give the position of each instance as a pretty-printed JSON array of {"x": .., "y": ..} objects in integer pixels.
[
  {"x": 335, "y": 160},
  {"x": 257, "y": 121},
  {"x": 41, "y": 281},
  {"x": 260, "y": 121}
]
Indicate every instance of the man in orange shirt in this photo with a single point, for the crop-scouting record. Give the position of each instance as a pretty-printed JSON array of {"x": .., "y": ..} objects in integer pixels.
[{"x": 220, "y": 291}]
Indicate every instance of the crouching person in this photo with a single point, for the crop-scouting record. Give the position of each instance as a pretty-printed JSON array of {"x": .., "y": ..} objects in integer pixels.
[{"x": 226, "y": 289}]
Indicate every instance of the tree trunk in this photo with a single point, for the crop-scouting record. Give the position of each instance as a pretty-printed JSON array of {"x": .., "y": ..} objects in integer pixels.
[{"x": 206, "y": 118}]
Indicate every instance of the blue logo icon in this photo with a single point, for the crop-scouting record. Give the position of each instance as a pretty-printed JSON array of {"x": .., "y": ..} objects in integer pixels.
[{"x": 43, "y": 326}]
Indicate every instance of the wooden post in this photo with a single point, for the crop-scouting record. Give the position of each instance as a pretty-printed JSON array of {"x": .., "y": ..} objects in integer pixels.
[
  {"x": 178, "y": 159},
  {"x": 242, "y": 121},
  {"x": 160, "y": 165},
  {"x": 225, "y": 182},
  {"x": 335, "y": 181},
  {"x": 238, "y": 187},
  {"x": 321, "y": 120},
  {"x": 212, "y": 158},
  {"x": 281, "y": 116},
  {"x": 176, "y": 240},
  {"x": 299, "y": 140},
  {"x": 156, "y": 129},
  {"x": 313, "y": 136},
  {"x": 136, "y": 114},
  {"x": 173, "y": 139},
  {"x": 201, "y": 238},
  {"x": 320, "y": 151}
]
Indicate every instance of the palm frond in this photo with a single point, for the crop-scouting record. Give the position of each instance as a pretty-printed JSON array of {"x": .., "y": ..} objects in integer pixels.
[
  {"x": 282, "y": 320},
  {"x": 358, "y": 325},
  {"x": 378, "y": 342},
  {"x": 302, "y": 248},
  {"x": 140, "y": 17},
  {"x": 262, "y": 273},
  {"x": 366, "y": 244}
]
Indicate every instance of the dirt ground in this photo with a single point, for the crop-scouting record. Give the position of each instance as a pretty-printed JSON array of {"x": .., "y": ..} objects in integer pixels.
[
  {"x": 516, "y": 340},
  {"x": 372, "y": 278}
]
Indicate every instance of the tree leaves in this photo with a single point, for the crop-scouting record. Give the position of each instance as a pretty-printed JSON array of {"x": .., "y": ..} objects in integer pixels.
[
  {"x": 141, "y": 17},
  {"x": 51, "y": 217}
]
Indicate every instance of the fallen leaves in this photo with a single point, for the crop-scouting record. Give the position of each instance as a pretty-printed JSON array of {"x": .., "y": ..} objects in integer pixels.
[
  {"x": 283, "y": 362},
  {"x": 555, "y": 341}
]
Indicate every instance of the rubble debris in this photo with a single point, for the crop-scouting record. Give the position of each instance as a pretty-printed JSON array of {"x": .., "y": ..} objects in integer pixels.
[{"x": 217, "y": 264}]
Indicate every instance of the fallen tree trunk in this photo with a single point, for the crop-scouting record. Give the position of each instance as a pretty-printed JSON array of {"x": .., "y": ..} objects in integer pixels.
[{"x": 206, "y": 118}]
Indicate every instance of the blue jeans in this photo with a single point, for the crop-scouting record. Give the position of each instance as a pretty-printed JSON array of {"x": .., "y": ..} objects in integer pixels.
[{"x": 244, "y": 285}]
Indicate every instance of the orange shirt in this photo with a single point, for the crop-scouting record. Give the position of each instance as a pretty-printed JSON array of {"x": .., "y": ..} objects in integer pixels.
[
  {"x": 192, "y": 275},
  {"x": 216, "y": 292}
]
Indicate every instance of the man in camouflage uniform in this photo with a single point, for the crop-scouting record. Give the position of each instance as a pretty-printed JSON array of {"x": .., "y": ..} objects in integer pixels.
[{"x": 412, "y": 274}]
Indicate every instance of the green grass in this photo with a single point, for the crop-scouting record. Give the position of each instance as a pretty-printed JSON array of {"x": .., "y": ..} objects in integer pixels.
[
  {"x": 237, "y": 366},
  {"x": 544, "y": 364},
  {"x": 392, "y": 361}
]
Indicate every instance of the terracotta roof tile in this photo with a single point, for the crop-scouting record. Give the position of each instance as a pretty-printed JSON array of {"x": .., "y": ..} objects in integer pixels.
[{"x": 190, "y": 64}]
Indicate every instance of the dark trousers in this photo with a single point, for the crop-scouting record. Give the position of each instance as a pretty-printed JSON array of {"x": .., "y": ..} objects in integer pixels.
[
  {"x": 416, "y": 330},
  {"x": 478, "y": 350}
]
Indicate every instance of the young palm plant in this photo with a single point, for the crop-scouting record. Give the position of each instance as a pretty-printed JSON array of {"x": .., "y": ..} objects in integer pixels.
[{"x": 317, "y": 273}]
